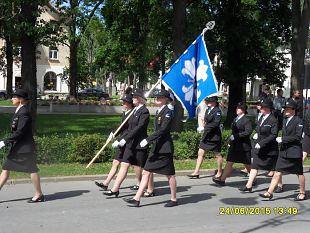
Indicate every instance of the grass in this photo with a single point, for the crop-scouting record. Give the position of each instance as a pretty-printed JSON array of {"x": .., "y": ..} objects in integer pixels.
[
  {"x": 76, "y": 169},
  {"x": 5, "y": 102},
  {"x": 75, "y": 124}
]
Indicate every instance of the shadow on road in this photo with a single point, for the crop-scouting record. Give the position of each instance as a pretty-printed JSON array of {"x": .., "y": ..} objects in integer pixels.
[
  {"x": 13, "y": 200},
  {"x": 64, "y": 195}
]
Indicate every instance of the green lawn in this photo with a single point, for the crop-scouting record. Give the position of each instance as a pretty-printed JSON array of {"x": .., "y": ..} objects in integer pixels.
[
  {"x": 76, "y": 124},
  {"x": 5, "y": 102}
]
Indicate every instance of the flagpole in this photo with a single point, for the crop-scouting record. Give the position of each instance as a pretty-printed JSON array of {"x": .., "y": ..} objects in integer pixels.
[{"x": 209, "y": 26}]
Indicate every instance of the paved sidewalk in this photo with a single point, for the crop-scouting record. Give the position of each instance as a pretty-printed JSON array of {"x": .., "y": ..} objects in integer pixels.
[{"x": 80, "y": 207}]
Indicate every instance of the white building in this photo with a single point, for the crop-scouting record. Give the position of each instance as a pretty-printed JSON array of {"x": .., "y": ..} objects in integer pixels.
[{"x": 51, "y": 62}]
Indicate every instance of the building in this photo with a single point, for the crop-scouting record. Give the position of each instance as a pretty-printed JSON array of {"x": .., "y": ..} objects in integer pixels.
[{"x": 51, "y": 62}]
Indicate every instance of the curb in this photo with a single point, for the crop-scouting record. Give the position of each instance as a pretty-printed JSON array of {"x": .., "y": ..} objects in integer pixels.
[{"x": 205, "y": 172}]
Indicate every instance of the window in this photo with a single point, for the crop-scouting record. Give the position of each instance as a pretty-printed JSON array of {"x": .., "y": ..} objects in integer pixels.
[
  {"x": 50, "y": 81},
  {"x": 53, "y": 53}
]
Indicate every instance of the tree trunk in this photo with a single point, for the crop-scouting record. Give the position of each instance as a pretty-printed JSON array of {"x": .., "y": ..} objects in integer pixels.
[
  {"x": 28, "y": 53},
  {"x": 235, "y": 77},
  {"x": 179, "y": 26},
  {"x": 73, "y": 69},
  {"x": 300, "y": 29},
  {"x": 9, "y": 67}
]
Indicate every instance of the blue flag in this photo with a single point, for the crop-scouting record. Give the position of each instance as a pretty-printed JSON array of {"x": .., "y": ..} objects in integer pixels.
[{"x": 191, "y": 77}]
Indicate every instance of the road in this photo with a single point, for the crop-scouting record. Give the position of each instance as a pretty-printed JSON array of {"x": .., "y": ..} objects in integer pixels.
[{"x": 80, "y": 207}]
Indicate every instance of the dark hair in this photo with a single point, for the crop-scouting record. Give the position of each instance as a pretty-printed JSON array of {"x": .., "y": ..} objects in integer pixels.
[{"x": 278, "y": 91}]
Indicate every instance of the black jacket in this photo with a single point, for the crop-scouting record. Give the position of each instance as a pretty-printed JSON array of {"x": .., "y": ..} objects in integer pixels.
[
  {"x": 161, "y": 137},
  {"x": 242, "y": 130},
  {"x": 21, "y": 138},
  {"x": 267, "y": 134},
  {"x": 307, "y": 122},
  {"x": 212, "y": 131},
  {"x": 137, "y": 128},
  {"x": 291, "y": 138},
  {"x": 124, "y": 129}
]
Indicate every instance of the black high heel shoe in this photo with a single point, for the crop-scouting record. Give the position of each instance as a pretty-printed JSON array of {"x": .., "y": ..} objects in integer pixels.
[
  {"x": 111, "y": 193},
  {"x": 218, "y": 181},
  {"x": 193, "y": 176},
  {"x": 101, "y": 185},
  {"x": 39, "y": 199},
  {"x": 132, "y": 202},
  {"x": 269, "y": 197},
  {"x": 246, "y": 189}
]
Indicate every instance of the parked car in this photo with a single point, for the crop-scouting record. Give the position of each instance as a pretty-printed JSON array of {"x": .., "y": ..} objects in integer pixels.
[
  {"x": 94, "y": 92},
  {"x": 2, "y": 94}
]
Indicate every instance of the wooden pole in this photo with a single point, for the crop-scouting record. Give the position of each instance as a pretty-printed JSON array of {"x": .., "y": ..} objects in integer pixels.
[{"x": 108, "y": 140}]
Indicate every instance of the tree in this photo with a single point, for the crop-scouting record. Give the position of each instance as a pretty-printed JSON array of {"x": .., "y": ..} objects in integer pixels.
[
  {"x": 300, "y": 38},
  {"x": 76, "y": 15}
]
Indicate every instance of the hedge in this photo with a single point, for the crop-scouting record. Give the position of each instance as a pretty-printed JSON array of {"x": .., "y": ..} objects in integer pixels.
[{"x": 71, "y": 148}]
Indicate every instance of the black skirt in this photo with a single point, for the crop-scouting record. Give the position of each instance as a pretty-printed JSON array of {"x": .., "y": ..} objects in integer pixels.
[
  {"x": 239, "y": 156},
  {"x": 211, "y": 146},
  {"x": 23, "y": 162},
  {"x": 306, "y": 144},
  {"x": 119, "y": 153},
  {"x": 289, "y": 165},
  {"x": 135, "y": 157},
  {"x": 160, "y": 164},
  {"x": 263, "y": 162}
]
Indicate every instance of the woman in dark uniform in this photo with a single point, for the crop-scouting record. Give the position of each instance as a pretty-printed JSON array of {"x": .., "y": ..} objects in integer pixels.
[
  {"x": 240, "y": 143},
  {"x": 306, "y": 135},
  {"x": 265, "y": 150},
  {"x": 161, "y": 158},
  {"x": 22, "y": 156},
  {"x": 128, "y": 106},
  {"x": 211, "y": 138},
  {"x": 134, "y": 154},
  {"x": 290, "y": 157}
]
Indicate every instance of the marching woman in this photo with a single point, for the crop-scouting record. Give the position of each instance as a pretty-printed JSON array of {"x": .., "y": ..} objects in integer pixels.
[
  {"x": 161, "y": 158},
  {"x": 127, "y": 106},
  {"x": 21, "y": 156},
  {"x": 290, "y": 156},
  {"x": 134, "y": 154},
  {"x": 211, "y": 138},
  {"x": 265, "y": 150},
  {"x": 306, "y": 135},
  {"x": 240, "y": 144}
]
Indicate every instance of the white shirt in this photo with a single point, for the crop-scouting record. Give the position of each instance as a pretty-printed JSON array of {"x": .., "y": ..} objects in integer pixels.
[
  {"x": 264, "y": 118},
  {"x": 288, "y": 120},
  {"x": 161, "y": 108},
  {"x": 18, "y": 108},
  {"x": 239, "y": 117}
]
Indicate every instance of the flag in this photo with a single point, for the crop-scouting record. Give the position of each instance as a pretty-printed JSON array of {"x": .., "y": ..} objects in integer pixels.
[{"x": 191, "y": 77}]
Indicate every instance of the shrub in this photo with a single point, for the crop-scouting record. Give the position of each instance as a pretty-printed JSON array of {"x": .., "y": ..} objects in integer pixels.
[
  {"x": 85, "y": 147},
  {"x": 54, "y": 148}
]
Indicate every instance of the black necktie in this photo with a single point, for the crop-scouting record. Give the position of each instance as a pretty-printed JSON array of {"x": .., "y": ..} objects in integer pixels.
[{"x": 260, "y": 119}]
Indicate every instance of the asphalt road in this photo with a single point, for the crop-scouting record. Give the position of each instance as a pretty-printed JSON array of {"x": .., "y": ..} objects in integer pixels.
[{"x": 80, "y": 207}]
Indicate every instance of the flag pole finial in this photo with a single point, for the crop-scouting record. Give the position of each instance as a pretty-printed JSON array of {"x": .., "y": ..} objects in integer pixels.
[{"x": 209, "y": 26}]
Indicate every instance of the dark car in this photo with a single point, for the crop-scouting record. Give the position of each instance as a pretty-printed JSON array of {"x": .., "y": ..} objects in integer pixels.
[
  {"x": 93, "y": 92},
  {"x": 2, "y": 94}
]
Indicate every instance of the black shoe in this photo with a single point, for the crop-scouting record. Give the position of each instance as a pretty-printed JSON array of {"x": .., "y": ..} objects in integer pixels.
[
  {"x": 243, "y": 173},
  {"x": 135, "y": 187},
  {"x": 218, "y": 181},
  {"x": 39, "y": 199},
  {"x": 298, "y": 197},
  {"x": 132, "y": 202},
  {"x": 269, "y": 197},
  {"x": 101, "y": 185},
  {"x": 149, "y": 194},
  {"x": 246, "y": 189},
  {"x": 254, "y": 182},
  {"x": 111, "y": 193},
  {"x": 279, "y": 189},
  {"x": 171, "y": 204},
  {"x": 193, "y": 176}
]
